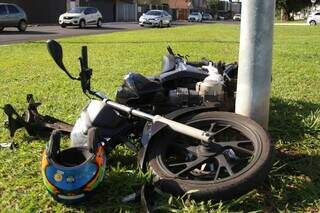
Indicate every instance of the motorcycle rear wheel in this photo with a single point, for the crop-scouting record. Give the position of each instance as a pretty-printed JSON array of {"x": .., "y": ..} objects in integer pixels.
[{"x": 236, "y": 162}]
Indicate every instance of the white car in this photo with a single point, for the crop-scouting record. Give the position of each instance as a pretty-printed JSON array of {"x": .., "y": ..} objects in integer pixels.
[
  {"x": 195, "y": 16},
  {"x": 237, "y": 17},
  {"x": 81, "y": 16},
  {"x": 314, "y": 18},
  {"x": 158, "y": 18}
]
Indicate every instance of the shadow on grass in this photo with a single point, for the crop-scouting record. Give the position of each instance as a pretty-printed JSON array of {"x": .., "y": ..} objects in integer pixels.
[
  {"x": 296, "y": 125},
  {"x": 107, "y": 197},
  {"x": 121, "y": 179},
  {"x": 290, "y": 189},
  {"x": 294, "y": 181},
  {"x": 291, "y": 121}
]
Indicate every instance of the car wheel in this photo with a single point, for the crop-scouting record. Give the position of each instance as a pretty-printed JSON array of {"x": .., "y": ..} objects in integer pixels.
[
  {"x": 82, "y": 24},
  {"x": 99, "y": 23},
  {"x": 313, "y": 23},
  {"x": 160, "y": 24},
  {"x": 22, "y": 26},
  {"x": 63, "y": 26},
  {"x": 169, "y": 24},
  {"x": 1, "y": 29}
]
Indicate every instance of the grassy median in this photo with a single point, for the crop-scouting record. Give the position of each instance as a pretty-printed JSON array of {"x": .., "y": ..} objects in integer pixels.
[{"x": 294, "y": 181}]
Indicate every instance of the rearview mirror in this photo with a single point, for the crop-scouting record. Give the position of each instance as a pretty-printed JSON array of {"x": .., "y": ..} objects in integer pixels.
[{"x": 56, "y": 53}]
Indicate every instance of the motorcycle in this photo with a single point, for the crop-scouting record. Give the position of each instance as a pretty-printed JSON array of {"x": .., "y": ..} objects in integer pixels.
[{"x": 218, "y": 155}]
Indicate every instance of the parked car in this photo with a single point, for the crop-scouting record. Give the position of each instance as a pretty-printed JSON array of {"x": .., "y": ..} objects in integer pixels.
[
  {"x": 237, "y": 17},
  {"x": 314, "y": 18},
  {"x": 207, "y": 17},
  {"x": 11, "y": 15},
  {"x": 81, "y": 16},
  {"x": 195, "y": 16},
  {"x": 158, "y": 18}
]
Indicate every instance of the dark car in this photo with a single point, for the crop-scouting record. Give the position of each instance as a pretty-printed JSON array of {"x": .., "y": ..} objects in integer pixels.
[
  {"x": 11, "y": 15},
  {"x": 207, "y": 17}
]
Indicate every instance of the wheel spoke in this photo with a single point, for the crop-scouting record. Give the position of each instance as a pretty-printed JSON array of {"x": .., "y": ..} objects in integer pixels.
[
  {"x": 223, "y": 162},
  {"x": 211, "y": 126},
  {"x": 177, "y": 164},
  {"x": 235, "y": 145},
  {"x": 191, "y": 165},
  {"x": 221, "y": 130},
  {"x": 217, "y": 173}
]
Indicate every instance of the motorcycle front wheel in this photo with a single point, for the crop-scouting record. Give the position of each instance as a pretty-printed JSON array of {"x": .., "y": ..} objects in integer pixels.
[{"x": 237, "y": 161}]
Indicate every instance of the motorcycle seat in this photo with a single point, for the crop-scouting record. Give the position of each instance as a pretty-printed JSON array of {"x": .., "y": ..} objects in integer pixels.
[{"x": 137, "y": 86}]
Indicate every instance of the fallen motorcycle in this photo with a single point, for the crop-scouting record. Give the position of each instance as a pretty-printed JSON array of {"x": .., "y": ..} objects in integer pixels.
[
  {"x": 217, "y": 155},
  {"x": 180, "y": 84}
]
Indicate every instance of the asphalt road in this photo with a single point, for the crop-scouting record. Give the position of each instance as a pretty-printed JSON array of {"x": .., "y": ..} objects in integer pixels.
[{"x": 34, "y": 33}]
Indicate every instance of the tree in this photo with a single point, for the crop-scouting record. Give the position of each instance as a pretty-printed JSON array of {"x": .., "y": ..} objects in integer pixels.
[
  {"x": 290, "y": 6},
  {"x": 213, "y": 5}
]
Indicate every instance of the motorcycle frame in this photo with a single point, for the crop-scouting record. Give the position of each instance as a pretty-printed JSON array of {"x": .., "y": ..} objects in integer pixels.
[{"x": 55, "y": 51}]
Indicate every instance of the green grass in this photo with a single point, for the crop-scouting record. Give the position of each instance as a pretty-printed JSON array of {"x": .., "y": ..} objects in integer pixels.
[{"x": 294, "y": 182}]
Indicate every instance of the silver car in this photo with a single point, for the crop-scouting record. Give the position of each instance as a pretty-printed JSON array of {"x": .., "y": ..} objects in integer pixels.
[
  {"x": 158, "y": 18},
  {"x": 11, "y": 15},
  {"x": 314, "y": 18}
]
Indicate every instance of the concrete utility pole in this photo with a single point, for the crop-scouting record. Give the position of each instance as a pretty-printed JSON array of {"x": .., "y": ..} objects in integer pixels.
[{"x": 255, "y": 60}]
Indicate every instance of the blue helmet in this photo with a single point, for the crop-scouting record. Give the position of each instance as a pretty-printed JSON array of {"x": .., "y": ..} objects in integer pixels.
[{"x": 71, "y": 175}]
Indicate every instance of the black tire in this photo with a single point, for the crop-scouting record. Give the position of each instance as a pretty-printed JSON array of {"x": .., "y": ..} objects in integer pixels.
[
  {"x": 82, "y": 24},
  {"x": 22, "y": 26},
  {"x": 1, "y": 29},
  {"x": 63, "y": 26},
  {"x": 313, "y": 23},
  {"x": 169, "y": 24},
  {"x": 240, "y": 182},
  {"x": 99, "y": 23}
]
